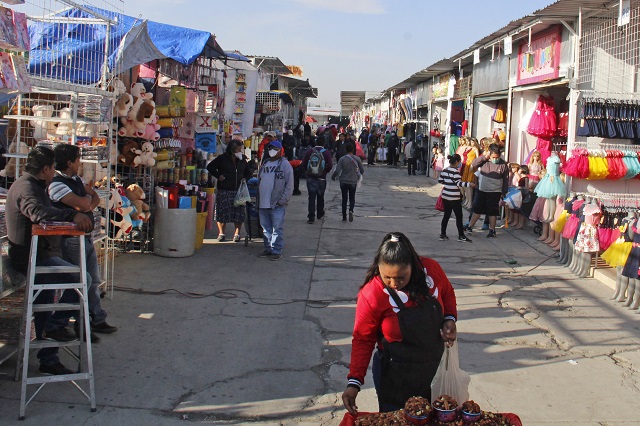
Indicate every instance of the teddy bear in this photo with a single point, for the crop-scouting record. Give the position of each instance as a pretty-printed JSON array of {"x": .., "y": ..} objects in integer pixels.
[
  {"x": 42, "y": 128},
  {"x": 144, "y": 114},
  {"x": 10, "y": 167},
  {"x": 65, "y": 128},
  {"x": 135, "y": 194},
  {"x": 128, "y": 128},
  {"x": 151, "y": 130},
  {"x": 146, "y": 156},
  {"x": 119, "y": 216},
  {"x": 128, "y": 153},
  {"x": 123, "y": 105}
]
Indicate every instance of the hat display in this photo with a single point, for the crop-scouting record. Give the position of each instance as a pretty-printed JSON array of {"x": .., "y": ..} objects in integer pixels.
[{"x": 276, "y": 144}]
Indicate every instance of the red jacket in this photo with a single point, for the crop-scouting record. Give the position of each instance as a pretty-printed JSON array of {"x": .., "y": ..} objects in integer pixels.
[{"x": 375, "y": 315}]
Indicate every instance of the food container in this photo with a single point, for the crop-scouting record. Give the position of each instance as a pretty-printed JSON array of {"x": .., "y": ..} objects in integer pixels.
[
  {"x": 470, "y": 417},
  {"x": 446, "y": 415},
  {"x": 416, "y": 420}
]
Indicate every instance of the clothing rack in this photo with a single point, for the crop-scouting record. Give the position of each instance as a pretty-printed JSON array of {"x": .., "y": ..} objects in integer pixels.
[
  {"x": 606, "y": 146},
  {"x": 616, "y": 96},
  {"x": 622, "y": 200}
]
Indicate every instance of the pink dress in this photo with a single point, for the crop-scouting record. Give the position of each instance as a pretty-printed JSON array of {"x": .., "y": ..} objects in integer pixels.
[
  {"x": 587, "y": 240},
  {"x": 439, "y": 164}
]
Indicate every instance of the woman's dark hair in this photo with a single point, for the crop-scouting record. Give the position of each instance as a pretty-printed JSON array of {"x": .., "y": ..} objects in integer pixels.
[
  {"x": 349, "y": 147},
  {"x": 396, "y": 249},
  {"x": 455, "y": 158},
  {"x": 64, "y": 153},
  {"x": 39, "y": 157},
  {"x": 232, "y": 146}
]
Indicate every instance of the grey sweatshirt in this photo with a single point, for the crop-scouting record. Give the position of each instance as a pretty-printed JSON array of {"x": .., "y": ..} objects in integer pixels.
[{"x": 348, "y": 168}]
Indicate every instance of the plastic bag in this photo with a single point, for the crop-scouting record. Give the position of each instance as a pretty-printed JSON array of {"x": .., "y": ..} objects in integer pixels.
[
  {"x": 513, "y": 199},
  {"x": 440, "y": 204},
  {"x": 450, "y": 379},
  {"x": 242, "y": 196}
]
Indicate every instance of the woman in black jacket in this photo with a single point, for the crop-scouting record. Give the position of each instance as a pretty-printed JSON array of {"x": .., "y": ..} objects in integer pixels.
[{"x": 229, "y": 169}]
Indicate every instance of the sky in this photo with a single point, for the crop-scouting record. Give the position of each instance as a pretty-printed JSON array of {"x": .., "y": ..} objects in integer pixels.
[{"x": 367, "y": 45}]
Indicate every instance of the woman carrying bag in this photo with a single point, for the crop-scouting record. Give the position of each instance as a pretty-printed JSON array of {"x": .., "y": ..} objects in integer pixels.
[
  {"x": 407, "y": 307},
  {"x": 229, "y": 169},
  {"x": 349, "y": 169}
]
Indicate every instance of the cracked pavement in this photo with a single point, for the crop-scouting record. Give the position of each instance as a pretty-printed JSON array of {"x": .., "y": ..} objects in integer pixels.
[{"x": 242, "y": 340}]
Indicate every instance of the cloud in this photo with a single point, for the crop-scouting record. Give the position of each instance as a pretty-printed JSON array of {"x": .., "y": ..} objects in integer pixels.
[{"x": 369, "y": 7}]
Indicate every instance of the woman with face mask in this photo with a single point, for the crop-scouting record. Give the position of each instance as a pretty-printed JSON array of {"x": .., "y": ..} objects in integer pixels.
[{"x": 229, "y": 169}]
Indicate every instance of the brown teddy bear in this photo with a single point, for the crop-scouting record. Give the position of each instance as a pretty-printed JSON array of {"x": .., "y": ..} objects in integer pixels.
[
  {"x": 135, "y": 194},
  {"x": 127, "y": 153}
]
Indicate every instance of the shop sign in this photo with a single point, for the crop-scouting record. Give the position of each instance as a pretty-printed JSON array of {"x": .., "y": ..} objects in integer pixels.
[
  {"x": 476, "y": 56},
  {"x": 540, "y": 61},
  {"x": 624, "y": 13},
  {"x": 508, "y": 45},
  {"x": 440, "y": 87}
]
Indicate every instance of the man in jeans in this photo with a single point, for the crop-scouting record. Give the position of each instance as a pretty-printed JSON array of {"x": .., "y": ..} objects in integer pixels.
[
  {"x": 28, "y": 204},
  {"x": 274, "y": 192},
  {"x": 68, "y": 190},
  {"x": 316, "y": 178}
]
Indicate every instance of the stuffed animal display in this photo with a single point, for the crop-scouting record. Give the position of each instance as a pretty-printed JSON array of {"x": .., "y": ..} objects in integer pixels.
[
  {"x": 128, "y": 153},
  {"x": 42, "y": 128},
  {"x": 146, "y": 156},
  {"x": 10, "y": 167},
  {"x": 135, "y": 194},
  {"x": 119, "y": 214}
]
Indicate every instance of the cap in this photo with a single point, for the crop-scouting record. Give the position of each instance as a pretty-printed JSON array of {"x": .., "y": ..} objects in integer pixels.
[
  {"x": 276, "y": 144},
  {"x": 271, "y": 133}
]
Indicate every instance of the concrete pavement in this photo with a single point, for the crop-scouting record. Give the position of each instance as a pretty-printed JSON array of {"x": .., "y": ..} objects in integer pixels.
[{"x": 224, "y": 337}]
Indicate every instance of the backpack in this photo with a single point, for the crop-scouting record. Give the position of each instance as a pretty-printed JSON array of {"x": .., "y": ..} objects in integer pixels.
[{"x": 316, "y": 164}]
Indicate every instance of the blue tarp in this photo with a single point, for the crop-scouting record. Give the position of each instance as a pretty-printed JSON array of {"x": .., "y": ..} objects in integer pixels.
[{"x": 74, "y": 52}]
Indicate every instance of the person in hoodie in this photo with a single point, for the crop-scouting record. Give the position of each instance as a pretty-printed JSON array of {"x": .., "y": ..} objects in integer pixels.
[
  {"x": 275, "y": 189},
  {"x": 349, "y": 169},
  {"x": 317, "y": 179},
  {"x": 492, "y": 187}
]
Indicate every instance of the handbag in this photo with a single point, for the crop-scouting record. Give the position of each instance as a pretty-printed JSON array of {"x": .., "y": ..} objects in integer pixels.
[
  {"x": 242, "y": 196},
  {"x": 440, "y": 204}
]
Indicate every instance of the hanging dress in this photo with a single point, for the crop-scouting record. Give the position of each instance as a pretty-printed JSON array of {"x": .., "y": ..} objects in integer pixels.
[
  {"x": 618, "y": 252},
  {"x": 550, "y": 186},
  {"x": 573, "y": 222},
  {"x": 632, "y": 265},
  {"x": 587, "y": 239}
]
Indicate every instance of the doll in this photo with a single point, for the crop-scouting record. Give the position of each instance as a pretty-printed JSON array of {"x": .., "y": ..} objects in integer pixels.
[{"x": 535, "y": 167}]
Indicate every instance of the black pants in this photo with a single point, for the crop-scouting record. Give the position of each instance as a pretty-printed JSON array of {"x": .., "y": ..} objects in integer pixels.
[
  {"x": 348, "y": 189},
  {"x": 411, "y": 166},
  {"x": 371, "y": 154},
  {"x": 454, "y": 206},
  {"x": 316, "y": 188}
]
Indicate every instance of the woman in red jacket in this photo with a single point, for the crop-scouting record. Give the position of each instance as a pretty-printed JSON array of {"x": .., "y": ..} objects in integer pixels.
[{"x": 407, "y": 307}]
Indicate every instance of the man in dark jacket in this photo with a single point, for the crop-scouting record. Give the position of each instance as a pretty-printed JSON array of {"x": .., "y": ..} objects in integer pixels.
[
  {"x": 372, "y": 147},
  {"x": 28, "y": 204},
  {"x": 316, "y": 178},
  {"x": 392, "y": 148}
]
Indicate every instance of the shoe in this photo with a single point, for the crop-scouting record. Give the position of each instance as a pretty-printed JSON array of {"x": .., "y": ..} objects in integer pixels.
[
  {"x": 59, "y": 335},
  {"x": 491, "y": 234},
  {"x": 485, "y": 227},
  {"x": 297, "y": 192},
  {"x": 236, "y": 238},
  {"x": 443, "y": 237},
  {"x": 221, "y": 237},
  {"x": 350, "y": 216},
  {"x": 320, "y": 217},
  {"x": 94, "y": 338},
  {"x": 310, "y": 221},
  {"x": 467, "y": 228},
  {"x": 344, "y": 218},
  {"x": 103, "y": 327},
  {"x": 265, "y": 253},
  {"x": 275, "y": 257},
  {"x": 54, "y": 369},
  {"x": 463, "y": 239}
]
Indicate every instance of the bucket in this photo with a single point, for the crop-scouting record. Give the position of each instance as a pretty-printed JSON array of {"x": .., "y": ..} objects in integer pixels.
[
  {"x": 174, "y": 233},
  {"x": 201, "y": 221}
]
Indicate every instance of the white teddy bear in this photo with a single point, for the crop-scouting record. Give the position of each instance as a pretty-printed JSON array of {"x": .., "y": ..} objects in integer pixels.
[
  {"x": 42, "y": 128},
  {"x": 146, "y": 156},
  {"x": 65, "y": 128}
]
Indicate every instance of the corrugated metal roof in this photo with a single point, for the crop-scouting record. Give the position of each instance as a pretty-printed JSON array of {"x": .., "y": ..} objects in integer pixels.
[
  {"x": 567, "y": 10},
  {"x": 270, "y": 64}
]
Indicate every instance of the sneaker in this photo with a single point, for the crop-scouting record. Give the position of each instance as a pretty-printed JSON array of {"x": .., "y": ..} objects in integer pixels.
[
  {"x": 54, "y": 369},
  {"x": 275, "y": 257},
  {"x": 236, "y": 238},
  {"x": 94, "y": 338},
  {"x": 463, "y": 239},
  {"x": 491, "y": 234},
  {"x": 320, "y": 216},
  {"x": 467, "y": 228},
  {"x": 485, "y": 227},
  {"x": 344, "y": 218},
  {"x": 59, "y": 335},
  {"x": 443, "y": 237},
  {"x": 350, "y": 216},
  {"x": 310, "y": 221},
  {"x": 297, "y": 192},
  {"x": 221, "y": 237},
  {"x": 103, "y": 327},
  {"x": 265, "y": 253}
]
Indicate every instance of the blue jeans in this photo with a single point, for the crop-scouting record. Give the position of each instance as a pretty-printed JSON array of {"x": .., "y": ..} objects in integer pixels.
[
  {"x": 272, "y": 222},
  {"x": 47, "y": 320},
  {"x": 316, "y": 188},
  {"x": 71, "y": 253},
  {"x": 376, "y": 371}
]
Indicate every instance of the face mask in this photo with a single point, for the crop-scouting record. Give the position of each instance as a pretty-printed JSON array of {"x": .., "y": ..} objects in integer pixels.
[
  {"x": 239, "y": 155},
  {"x": 273, "y": 152},
  {"x": 495, "y": 160}
]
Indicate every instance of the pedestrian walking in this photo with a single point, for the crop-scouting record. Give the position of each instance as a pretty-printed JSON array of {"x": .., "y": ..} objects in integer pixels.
[
  {"x": 317, "y": 162},
  {"x": 410, "y": 155},
  {"x": 275, "y": 188},
  {"x": 452, "y": 198},
  {"x": 407, "y": 307},
  {"x": 349, "y": 170}
]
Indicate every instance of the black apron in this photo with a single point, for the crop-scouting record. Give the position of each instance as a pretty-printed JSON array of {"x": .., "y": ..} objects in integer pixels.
[{"x": 408, "y": 366}]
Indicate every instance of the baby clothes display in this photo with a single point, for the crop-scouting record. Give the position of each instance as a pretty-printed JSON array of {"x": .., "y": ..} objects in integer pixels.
[
  {"x": 596, "y": 164},
  {"x": 632, "y": 265},
  {"x": 550, "y": 186},
  {"x": 587, "y": 238},
  {"x": 573, "y": 222},
  {"x": 618, "y": 252}
]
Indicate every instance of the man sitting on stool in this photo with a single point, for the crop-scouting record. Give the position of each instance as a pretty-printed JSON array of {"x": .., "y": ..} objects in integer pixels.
[{"x": 28, "y": 204}]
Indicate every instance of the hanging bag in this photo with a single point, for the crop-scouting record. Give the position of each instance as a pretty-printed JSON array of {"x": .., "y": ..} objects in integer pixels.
[
  {"x": 440, "y": 204},
  {"x": 450, "y": 379},
  {"x": 242, "y": 196}
]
